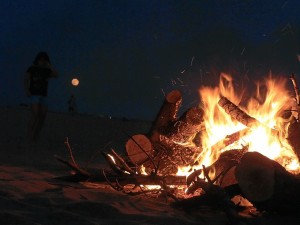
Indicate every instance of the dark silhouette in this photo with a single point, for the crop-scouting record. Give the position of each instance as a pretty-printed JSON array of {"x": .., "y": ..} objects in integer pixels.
[
  {"x": 72, "y": 107},
  {"x": 36, "y": 87}
]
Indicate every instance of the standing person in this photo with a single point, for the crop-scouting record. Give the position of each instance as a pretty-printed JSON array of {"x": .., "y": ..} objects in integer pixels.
[
  {"x": 72, "y": 107},
  {"x": 36, "y": 87}
]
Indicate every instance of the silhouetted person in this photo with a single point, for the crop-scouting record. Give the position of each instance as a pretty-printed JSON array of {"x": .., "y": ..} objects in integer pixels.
[
  {"x": 72, "y": 107},
  {"x": 36, "y": 87}
]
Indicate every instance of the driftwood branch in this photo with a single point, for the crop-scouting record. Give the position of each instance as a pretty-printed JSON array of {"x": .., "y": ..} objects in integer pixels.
[{"x": 296, "y": 88}]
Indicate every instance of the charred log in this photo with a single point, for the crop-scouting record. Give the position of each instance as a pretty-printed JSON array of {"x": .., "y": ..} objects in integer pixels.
[
  {"x": 293, "y": 136},
  {"x": 185, "y": 128},
  {"x": 166, "y": 115},
  {"x": 268, "y": 185},
  {"x": 170, "y": 157},
  {"x": 236, "y": 113},
  {"x": 223, "y": 164}
]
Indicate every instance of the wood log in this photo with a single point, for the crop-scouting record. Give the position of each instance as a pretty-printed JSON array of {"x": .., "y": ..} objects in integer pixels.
[
  {"x": 293, "y": 136},
  {"x": 170, "y": 157},
  {"x": 166, "y": 115},
  {"x": 187, "y": 126},
  {"x": 267, "y": 185},
  {"x": 138, "y": 148},
  {"x": 224, "y": 163},
  {"x": 236, "y": 113},
  {"x": 229, "y": 139}
]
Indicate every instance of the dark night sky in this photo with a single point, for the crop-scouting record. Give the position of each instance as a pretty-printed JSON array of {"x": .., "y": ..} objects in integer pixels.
[{"x": 127, "y": 54}]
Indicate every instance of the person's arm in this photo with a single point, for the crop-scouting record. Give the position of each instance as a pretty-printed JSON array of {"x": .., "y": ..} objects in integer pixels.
[
  {"x": 27, "y": 84},
  {"x": 54, "y": 73}
]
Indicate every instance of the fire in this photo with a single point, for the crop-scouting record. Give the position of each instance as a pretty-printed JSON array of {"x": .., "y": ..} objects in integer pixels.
[{"x": 267, "y": 136}]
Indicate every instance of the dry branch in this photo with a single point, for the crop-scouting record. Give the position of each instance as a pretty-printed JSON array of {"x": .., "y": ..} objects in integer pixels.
[{"x": 296, "y": 88}]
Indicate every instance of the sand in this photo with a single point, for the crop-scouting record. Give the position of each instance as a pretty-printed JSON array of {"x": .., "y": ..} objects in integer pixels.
[{"x": 31, "y": 194}]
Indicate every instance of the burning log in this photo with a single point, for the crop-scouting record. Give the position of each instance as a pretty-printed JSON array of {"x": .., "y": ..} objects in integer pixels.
[
  {"x": 223, "y": 164},
  {"x": 236, "y": 113},
  {"x": 229, "y": 139},
  {"x": 293, "y": 136},
  {"x": 186, "y": 127},
  {"x": 167, "y": 114},
  {"x": 170, "y": 157},
  {"x": 169, "y": 142},
  {"x": 267, "y": 184}
]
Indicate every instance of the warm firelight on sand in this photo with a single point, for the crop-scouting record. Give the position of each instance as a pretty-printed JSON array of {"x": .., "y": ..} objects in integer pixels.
[{"x": 268, "y": 136}]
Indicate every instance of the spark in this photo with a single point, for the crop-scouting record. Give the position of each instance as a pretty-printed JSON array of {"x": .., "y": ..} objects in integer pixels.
[
  {"x": 284, "y": 4},
  {"x": 182, "y": 71},
  {"x": 179, "y": 80},
  {"x": 243, "y": 51},
  {"x": 192, "y": 60},
  {"x": 162, "y": 90},
  {"x": 201, "y": 75}
]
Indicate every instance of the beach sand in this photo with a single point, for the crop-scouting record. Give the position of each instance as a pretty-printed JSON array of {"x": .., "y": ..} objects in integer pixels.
[{"x": 31, "y": 194}]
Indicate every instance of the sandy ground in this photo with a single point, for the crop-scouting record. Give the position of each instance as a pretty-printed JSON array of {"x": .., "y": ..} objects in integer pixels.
[{"x": 30, "y": 194}]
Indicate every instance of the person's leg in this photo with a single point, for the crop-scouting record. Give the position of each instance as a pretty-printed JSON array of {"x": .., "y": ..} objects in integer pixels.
[
  {"x": 42, "y": 111},
  {"x": 33, "y": 121}
]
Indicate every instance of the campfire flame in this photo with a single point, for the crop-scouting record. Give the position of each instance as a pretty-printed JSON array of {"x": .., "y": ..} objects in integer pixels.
[{"x": 268, "y": 137}]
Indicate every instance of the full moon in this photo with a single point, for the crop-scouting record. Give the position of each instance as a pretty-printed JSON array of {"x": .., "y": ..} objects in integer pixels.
[{"x": 75, "y": 82}]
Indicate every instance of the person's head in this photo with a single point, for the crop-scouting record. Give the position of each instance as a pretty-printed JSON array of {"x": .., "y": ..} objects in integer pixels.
[{"x": 41, "y": 59}]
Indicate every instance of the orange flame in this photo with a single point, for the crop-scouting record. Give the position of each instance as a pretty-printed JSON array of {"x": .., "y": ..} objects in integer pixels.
[{"x": 270, "y": 100}]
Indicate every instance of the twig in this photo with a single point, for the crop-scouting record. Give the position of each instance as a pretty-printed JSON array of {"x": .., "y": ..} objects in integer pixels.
[
  {"x": 122, "y": 161},
  {"x": 70, "y": 150},
  {"x": 296, "y": 89},
  {"x": 73, "y": 166}
]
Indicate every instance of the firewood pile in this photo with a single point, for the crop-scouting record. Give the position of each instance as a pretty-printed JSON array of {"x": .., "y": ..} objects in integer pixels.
[{"x": 153, "y": 158}]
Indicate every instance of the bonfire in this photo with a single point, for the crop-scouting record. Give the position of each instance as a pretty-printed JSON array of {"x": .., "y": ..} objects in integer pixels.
[{"x": 226, "y": 146}]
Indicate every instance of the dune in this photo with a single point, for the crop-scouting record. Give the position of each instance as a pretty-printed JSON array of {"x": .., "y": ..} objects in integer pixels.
[{"x": 30, "y": 194}]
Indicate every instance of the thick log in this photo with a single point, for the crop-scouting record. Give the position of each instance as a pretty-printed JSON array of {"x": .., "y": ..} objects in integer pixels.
[
  {"x": 166, "y": 115},
  {"x": 236, "y": 113},
  {"x": 138, "y": 148},
  {"x": 267, "y": 185},
  {"x": 187, "y": 126},
  {"x": 293, "y": 136},
  {"x": 224, "y": 163},
  {"x": 170, "y": 157}
]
